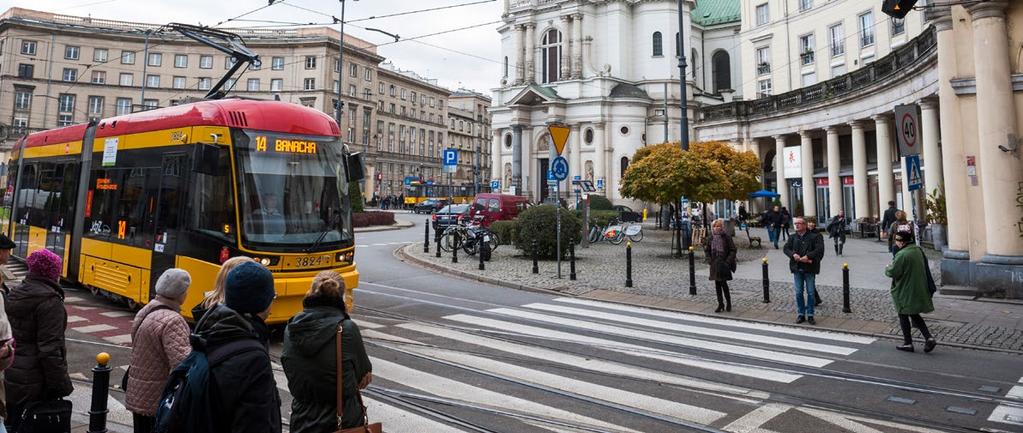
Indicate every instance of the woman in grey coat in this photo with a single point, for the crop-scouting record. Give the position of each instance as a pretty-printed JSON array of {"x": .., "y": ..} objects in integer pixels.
[{"x": 720, "y": 252}]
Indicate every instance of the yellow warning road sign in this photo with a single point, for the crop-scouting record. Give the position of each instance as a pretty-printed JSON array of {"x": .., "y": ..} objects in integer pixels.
[{"x": 559, "y": 135}]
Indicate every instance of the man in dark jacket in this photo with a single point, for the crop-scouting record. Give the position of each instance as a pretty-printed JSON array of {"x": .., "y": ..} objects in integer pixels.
[
  {"x": 243, "y": 386},
  {"x": 888, "y": 219},
  {"x": 805, "y": 251},
  {"x": 774, "y": 222}
]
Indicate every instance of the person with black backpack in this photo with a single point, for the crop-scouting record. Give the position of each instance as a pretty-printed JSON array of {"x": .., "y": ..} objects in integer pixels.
[{"x": 227, "y": 383}]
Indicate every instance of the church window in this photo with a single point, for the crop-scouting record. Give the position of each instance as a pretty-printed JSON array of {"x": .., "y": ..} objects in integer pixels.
[
  {"x": 550, "y": 47},
  {"x": 722, "y": 71},
  {"x": 658, "y": 45}
]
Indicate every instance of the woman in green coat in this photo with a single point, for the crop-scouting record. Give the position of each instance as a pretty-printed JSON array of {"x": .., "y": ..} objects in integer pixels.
[
  {"x": 909, "y": 290},
  {"x": 310, "y": 360}
]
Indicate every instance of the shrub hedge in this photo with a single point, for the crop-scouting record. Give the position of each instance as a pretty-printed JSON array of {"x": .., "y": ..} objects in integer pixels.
[
  {"x": 540, "y": 223},
  {"x": 372, "y": 218},
  {"x": 507, "y": 231},
  {"x": 599, "y": 202},
  {"x": 598, "y": 217}
]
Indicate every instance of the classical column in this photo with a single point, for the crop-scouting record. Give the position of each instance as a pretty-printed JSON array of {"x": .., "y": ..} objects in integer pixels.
[
  {"x": 575, "y": 151},
  {"x": 520, "y": 54},
  {"x": 809, "y": 187},
  {"x": 1001, "y": 173},
  {"x": 531, "y": 53},
  {"x": 528, "y": 163},
  {"x": 932, "y": 153},
  {"x": 779, "y": 169},
  {"x": 952, "y": 154},
  {"x": 834, "y": 166},
  {"x": 885, "y": 176},
  {"x": 577, "y": 46},
  {"x": 599, "y": 155},
  {"x": 566, "y": 32},
  {"x": 859, "y": 151},
  {"x": 496, "y": 147},
  {"x": 517, "y": 158}
]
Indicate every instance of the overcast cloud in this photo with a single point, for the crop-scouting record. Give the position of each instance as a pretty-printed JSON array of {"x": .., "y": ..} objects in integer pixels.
[{"x": 453, "y": 70}]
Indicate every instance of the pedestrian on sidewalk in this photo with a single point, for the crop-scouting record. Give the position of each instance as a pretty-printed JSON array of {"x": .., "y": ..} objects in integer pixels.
[
  {"x": 774, "y": 222},
  {"x": 216, "y": 295},
  {"x": 836, "y": 230},
  {"x": 310, "y": 360},
  {"x": 159, "y": 340},
  {"x": 888, "y": 219},
  {"x": 719, "y": 250},
  {"x": 247, "y": 398},
  {"x": 6, "y": 246},
  {"x": 910, "y": 293},
  {"x": 811, "y": 228},
  {"x": 6, "y": 334},
  {"x": 805, "y": 251},
  {"x": 901, "y": 224},
  {"x": 39, "y": 321},
  {"x": 786, "y": 224}
]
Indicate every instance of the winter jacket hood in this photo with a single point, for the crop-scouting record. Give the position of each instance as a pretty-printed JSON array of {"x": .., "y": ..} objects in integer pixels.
[{"x": 222, "y": 324}]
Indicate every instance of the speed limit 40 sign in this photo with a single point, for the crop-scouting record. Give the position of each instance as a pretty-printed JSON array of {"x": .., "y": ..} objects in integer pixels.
[{"x": 907, "y": 129}]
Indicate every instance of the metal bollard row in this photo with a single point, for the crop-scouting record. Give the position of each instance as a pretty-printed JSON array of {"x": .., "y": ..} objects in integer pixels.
[
  {"x": 767, "y": 282},
  {"x": 100, "y": 394},
  {"x": 426, "y": 239},
  {"x": 845, "y": 288},
  {"x": 628, "y": 264},
  {"x": 692, "y": 272}
]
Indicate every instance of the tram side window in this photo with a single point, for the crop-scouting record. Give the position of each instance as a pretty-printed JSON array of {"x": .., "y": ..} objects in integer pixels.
[
  {"x": 119, "y": 206},
  {"x": 211, "y": 203},
  {"x": 27, "y": 195},
  {"x": 49, "y": 194}
]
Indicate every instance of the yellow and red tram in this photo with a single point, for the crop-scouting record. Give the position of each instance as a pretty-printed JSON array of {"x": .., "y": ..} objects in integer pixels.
[{"x": 188, "y": 186}]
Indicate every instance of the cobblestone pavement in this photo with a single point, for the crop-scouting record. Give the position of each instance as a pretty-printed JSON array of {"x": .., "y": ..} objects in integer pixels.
[{"x": 661, "y": 281}]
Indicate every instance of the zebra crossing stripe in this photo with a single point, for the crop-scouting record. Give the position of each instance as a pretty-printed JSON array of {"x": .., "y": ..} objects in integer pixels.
[
  {"x": 656, "y": 337},
  {"x": 400, "y": 420},
  {"x": 778, "y": 329},
  {"x": 628, "y": 349},
  {"x": 751, "y": 422},
  {"x": 710, "y": 332},
  {"x": 1010, "y": 414}
]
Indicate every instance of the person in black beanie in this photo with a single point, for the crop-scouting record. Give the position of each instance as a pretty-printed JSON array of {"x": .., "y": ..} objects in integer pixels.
[{"x": 235, "y": 338}]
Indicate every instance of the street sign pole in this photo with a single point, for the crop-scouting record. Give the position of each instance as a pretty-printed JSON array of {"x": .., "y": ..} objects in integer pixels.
[{"x": 558, "y": 170}]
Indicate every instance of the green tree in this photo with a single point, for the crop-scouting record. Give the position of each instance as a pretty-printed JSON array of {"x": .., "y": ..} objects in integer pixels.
[
  {"x": 709, "y": 171},
  {"x": 355, "y": 194}
]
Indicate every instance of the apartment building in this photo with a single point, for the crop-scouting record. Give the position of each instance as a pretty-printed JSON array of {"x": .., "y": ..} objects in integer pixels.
[{"x": 469, "y": 132}]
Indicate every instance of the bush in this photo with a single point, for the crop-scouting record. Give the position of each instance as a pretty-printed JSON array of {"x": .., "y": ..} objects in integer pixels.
[
  {"x": 372, "y": 218},
  {"x": 506, "y": 231},
  {"x": 599, "y": 217},
  {"x": 599, "y": 202},
  {"x": 355, "y": 194},
  {"x": 540, "y": 223}
]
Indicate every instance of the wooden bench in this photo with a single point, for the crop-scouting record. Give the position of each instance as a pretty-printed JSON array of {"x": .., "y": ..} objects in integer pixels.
[{"x": 752, "y": 239}]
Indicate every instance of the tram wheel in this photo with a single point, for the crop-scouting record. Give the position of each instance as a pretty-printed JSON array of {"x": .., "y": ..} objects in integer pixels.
[
  {"x": 133, "y": 305},
  {"x": 94, "y": 290}
]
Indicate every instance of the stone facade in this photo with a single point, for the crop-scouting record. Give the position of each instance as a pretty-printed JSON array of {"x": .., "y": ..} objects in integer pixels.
[{"x": 469, "y": 132}]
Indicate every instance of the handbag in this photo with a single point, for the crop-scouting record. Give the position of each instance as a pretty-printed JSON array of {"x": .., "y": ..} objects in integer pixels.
[
  {"x": 366, "y": 427},
  {"x": 931, "y": 287},
  {"x": 50, "y": 416}
]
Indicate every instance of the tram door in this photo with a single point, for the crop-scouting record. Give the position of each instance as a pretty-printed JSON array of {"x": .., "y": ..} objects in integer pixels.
[
  {"x": 61, "y": 181},
  {"x": 168, "y": 215}
]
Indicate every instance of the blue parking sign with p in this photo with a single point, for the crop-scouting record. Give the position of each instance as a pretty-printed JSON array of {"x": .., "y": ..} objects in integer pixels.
[{"x": 450, "y": 156}]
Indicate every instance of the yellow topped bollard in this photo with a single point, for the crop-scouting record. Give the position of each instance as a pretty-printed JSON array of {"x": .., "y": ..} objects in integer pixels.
[
  {"x": 102, "y": 359},
  {"x": 765, "y": 260},
  {"x": 845, "y": 266},
  {"x": 100, "y": 394},
  {"x": 644, "y": 214}
]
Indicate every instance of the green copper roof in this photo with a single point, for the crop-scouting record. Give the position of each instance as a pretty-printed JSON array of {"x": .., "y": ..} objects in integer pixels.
[{"x": 713, "y": 12}]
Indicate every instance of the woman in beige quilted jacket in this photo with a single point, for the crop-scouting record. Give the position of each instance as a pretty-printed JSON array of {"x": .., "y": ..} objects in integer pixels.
[{"x": 159, "y": 343}]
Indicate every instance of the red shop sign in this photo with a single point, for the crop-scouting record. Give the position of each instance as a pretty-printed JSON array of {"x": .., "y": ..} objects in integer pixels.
[
  {"x": 822, "y": 181},
  {"x": 848, "y": 180}
]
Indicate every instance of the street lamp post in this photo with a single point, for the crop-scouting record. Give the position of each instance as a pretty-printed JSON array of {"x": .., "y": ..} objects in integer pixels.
[{"x": 684, "y": 117}]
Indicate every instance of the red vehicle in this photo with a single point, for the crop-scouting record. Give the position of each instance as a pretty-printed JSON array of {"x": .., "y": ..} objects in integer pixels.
[{"x": 497, "y": 207}]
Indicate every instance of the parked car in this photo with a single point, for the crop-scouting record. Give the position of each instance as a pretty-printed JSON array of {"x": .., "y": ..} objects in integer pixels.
[
  {"x": 497, "y": 207},
  {"x": 449, "y": 215},
  {"x": 627, "y": 215},
  {"x": 429, "y": 205}
]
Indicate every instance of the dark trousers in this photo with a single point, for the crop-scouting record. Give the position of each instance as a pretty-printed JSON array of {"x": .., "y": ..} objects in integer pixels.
[
  {"x": 142, "y": 423},
  {"x": 918, "y": 322},
  {"x": 785, "y": 232},
  {"x": 722, "y": 289},
  {"x": 839, "y": 243},
  {"x": 14, "y": 414}
]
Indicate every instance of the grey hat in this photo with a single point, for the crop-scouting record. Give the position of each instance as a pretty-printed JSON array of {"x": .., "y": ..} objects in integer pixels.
[{"x": 173, "y": 283}]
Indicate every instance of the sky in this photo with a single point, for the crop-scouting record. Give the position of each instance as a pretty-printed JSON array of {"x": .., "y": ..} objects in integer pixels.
[{"x": 477, "y": 69}]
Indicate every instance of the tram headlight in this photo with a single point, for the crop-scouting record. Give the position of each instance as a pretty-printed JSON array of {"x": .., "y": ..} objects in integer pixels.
[
  {"x": 346, "y": 257},
  {"x": 264, "y": 261}
]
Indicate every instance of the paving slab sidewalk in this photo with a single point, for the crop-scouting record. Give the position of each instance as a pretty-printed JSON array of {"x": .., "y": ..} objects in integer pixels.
[{"x": 662, "y": 282}]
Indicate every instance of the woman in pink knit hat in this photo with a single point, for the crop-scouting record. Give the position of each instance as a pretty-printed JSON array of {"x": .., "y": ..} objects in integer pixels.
[{"x": 38, "y": 320}]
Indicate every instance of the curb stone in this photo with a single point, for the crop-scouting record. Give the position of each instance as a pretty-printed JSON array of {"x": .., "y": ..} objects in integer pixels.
[{"x": 399, "y": 225}]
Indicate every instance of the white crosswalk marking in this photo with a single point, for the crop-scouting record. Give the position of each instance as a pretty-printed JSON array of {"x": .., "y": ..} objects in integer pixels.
[
  {"x": 1010, "y": 414},
  {"x": 93, "y": 328},
  {"x": 751, "y": 422},
  {"x": 398, "y": 420}
]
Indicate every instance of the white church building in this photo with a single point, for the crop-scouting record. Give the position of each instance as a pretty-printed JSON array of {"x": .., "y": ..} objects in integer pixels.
[{"x": 608, "y": 70}]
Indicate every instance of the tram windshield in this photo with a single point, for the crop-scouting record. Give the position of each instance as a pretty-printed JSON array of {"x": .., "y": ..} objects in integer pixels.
[{"x": 292, "y": 192}]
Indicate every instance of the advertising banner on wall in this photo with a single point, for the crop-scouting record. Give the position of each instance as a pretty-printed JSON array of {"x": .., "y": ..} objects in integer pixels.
[{"x": 793, "y": 162}]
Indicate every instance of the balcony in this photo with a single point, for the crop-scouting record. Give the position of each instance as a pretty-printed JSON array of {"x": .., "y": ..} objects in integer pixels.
[
  {"x": 764, "y": 68},
  {"x": 921, "y": 49},
  {"x": 807, "y": 57}
]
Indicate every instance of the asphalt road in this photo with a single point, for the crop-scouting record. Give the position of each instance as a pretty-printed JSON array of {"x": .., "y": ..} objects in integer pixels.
[{"x": 455, "y": 355}]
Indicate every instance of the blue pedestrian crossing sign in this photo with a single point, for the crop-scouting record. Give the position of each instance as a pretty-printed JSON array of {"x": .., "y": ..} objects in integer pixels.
[
  {"x": 915, "y": 179},
  {"x": 559, "y": 168}
]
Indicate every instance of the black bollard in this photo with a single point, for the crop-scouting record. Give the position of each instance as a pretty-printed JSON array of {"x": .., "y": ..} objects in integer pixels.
[
  {"x": 571, "y": 260},
  {"x": 767, "y": 283},
  {"x": 482, "y": 246},
  {"x": 845, "y": 288},
  {"x": 692, "y": 272},
  {"x": 436, "y": 237},
  {"x": 628, "y": 264},
  {"x": 100, "y": 391},
  {"x": 426, "y": 238},
  {"x": 536, "y": 268},
  {"x": 454, "y": 250}
]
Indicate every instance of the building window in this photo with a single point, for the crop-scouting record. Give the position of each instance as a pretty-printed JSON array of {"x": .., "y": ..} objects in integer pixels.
[
  {"x": 898, "y": 26},
  {"x": 99, "y": 77},
  {"x": 179, "y": 82},
  {"x": 123, "y": 106},
  {"x": 337, "y": 86},
  {"x": 229, "y": 62},
  {"x": 152, "y": 81},
  {"x": 366, "y": 93},
  {"x": 28, "y": 48},
  {"x": 180, "y": 60},
  {"x": 70, "y": 74},
  {"x": 353, "y": 70},
  {"x": 155, "y": 59},
  {"x": 229, "y": 84},
  {"x": 764, "y": 88},
  {"x": 392, "y": 90},
  {"x": 550, "y": 47},
  {"x": 806, "y": 49},
  {"x": 66, "y": 103},
  {"x": 96, "y": 106},
  {"x": 837, "y": 42},
  {"x": 353, "y": 91},
  {"x": 22, "y": 100},
  {"x": 127, "y": 57},
  {"x": 809, "y": 79},
  {"x": 867, "y": 29},
  {"x": 310, "y": 62},
  {"x": 404, "y": 94},
  {"x": 721, "y": 65},
  {"x": 367, "y": 74},
  {"x": 276, "y": 85},
  {"x": 20, "y": 125},
  {"x": 252, "y": 85},
  {"x": 205, "y": 83},
  {"x": 151, "y": 104},
  {"x": 658, "y": 42},
  {"x": 763, "y": 15},
  {"x": 309, "y": 84},
  {"x": 100, "y": 55},
  {"x": 67, "y": 119},
  {"x": 308, "y": 102},
  {"x": 126, "y": 79},
  {"x": 805, "y": 5},
  {"x": 277, "y": 63},
  {"x": 25, "y": 70},
  {"x": 763, "y": 59},
  {"x": 72, "y": 52},
  {"x": 206, "y": 62},
  {"x": 838, "y": 70}
]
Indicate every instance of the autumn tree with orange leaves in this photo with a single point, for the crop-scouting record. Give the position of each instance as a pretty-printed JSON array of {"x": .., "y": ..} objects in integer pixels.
[{"x": 709, "y": 171}]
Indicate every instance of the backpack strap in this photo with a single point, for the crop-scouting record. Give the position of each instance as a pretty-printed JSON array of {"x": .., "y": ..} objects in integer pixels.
[{"x": 221, "y": 353}]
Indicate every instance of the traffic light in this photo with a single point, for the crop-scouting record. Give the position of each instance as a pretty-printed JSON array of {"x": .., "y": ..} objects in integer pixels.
[{"x": 897, "y": 8}]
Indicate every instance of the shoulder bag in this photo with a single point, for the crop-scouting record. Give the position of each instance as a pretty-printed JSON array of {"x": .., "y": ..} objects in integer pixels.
[
  {"x": 366, "y": 427},
  {"x": 49, "y": 416}
]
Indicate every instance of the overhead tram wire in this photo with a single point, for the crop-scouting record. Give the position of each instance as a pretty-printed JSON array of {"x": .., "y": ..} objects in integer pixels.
[
  {"x": 397, "y": 14},
  {"x": 270, "y": 3}
]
